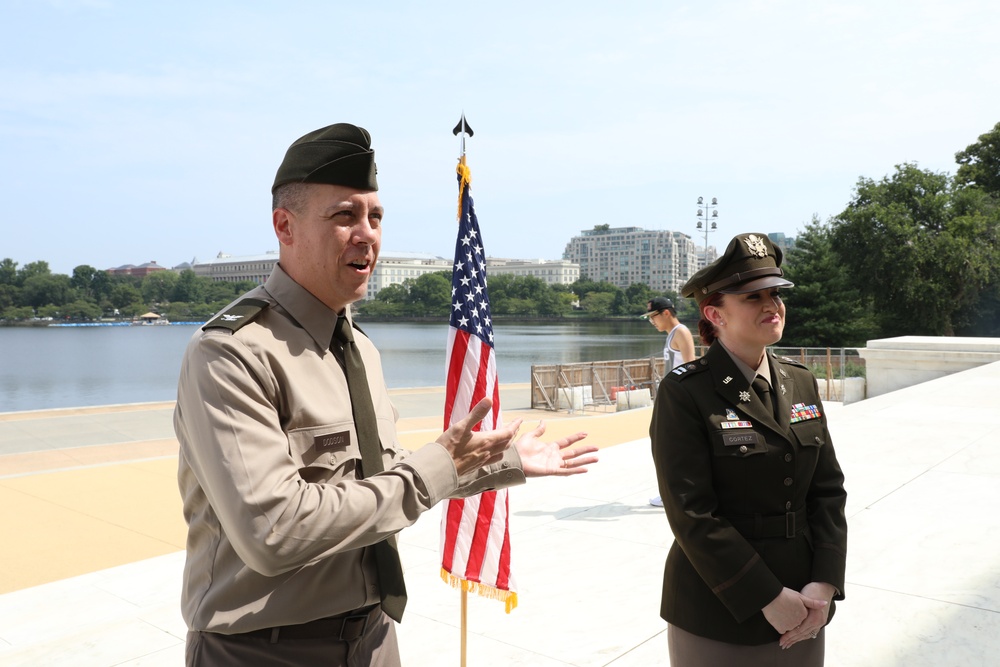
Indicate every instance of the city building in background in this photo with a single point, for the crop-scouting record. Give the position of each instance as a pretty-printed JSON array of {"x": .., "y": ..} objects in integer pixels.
[
  {"x": 662, "y": 259},
  {"x": 393, "y": 268},
  {"x": 230, "y": 269},
  {"x": 140, "y": 271},
  {"x": 551, "y": 271}
]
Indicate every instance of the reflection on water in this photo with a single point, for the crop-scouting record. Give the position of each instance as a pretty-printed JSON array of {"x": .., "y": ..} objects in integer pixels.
[{"x": 72, "y": 367}]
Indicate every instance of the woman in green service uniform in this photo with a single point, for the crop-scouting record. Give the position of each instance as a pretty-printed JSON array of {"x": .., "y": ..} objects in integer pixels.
[{"x": 750, "y": 482}]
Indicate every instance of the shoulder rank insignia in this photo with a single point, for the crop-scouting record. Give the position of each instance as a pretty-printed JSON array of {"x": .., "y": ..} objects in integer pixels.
[
  {"x": 239, "y": 315},
  {"x": 793, "y": 362}
]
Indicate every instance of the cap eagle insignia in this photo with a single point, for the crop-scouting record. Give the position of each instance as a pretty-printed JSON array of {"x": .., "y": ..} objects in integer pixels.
[{"x": 755, "y": 245}]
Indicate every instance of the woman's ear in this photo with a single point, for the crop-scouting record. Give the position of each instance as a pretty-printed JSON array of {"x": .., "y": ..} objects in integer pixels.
[{"x": 713, "y": 315}]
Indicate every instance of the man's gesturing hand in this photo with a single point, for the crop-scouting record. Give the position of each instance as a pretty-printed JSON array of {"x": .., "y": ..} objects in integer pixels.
[
  {"x": 474, "y": 449},
  {"x": 539, "y": 459}
]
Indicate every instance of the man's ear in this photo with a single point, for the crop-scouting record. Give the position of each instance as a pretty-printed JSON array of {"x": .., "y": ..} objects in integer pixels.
[{"x": 281, "y": 218}]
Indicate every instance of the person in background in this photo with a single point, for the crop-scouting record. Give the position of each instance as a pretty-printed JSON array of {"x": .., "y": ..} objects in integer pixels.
[
  {"x": 751, "y": 485},
  {"x": 679, "y": 347},
  {"x": 293, "y": 481}
]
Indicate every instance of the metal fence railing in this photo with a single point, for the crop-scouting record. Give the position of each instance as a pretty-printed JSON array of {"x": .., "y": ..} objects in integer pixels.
[
  {"x": 629, "y": 383},
  {"x": 595, "y": 385}
]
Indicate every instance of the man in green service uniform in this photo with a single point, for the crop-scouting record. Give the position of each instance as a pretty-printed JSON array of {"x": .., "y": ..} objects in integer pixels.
[{"x": 293, "y": 480}]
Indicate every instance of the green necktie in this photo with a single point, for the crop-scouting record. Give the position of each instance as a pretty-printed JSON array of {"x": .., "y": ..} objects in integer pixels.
[
  {"x": 763, "y": 390},
  {"x": 390, "y": 572}
]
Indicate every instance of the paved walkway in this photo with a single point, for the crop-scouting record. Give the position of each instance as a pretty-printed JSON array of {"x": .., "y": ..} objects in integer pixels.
[{"x": 91, "y": 569}]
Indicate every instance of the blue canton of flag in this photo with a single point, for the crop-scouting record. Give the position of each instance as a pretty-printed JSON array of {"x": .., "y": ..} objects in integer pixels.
[{"x": 470, "y": 307}]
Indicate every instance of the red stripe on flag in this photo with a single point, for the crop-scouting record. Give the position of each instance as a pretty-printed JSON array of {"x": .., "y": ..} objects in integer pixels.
[
  {"x": 455, "y": 366},
  {"x": 454, "y": 520},
  {"x": 480, "y": 539}
]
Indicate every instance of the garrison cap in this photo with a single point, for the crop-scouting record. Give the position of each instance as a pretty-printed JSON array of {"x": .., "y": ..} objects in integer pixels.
[
  {"x": 750, "y": 263},
  {"x": 339, "y": 154},
  {"x": 658, "y": 304}
]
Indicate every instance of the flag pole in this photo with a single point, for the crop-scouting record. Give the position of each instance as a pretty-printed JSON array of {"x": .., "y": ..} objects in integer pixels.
[
  {"x": 462, "y": 129},
  {"x": 465, "y": 627}
]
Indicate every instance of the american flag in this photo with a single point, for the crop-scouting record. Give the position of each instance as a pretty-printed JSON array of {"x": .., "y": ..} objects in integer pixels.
[{"x": 475, "y": 532}]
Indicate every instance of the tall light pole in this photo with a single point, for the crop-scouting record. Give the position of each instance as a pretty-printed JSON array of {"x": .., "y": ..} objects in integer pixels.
[{"x": 707, "y": 216}]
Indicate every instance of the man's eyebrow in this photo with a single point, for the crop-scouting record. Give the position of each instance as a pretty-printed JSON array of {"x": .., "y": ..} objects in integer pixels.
[{"x": 348, "y": 205}]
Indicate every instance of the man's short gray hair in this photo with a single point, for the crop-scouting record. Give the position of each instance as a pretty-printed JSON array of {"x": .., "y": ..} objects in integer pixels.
[{"x": 291, "y": 196}]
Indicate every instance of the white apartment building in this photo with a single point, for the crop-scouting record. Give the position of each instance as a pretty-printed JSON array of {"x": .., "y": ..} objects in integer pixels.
[
  {"x": 551, "y": 271},
  {"x": 662, "y": 259}
]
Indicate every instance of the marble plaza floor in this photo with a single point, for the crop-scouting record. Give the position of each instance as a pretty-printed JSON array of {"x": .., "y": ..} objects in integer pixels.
[{"x": 90, "y": 572}]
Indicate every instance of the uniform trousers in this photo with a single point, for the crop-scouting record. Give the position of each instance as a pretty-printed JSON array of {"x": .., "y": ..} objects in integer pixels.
[
  {"x": 375, "y": 647},
  {"x": 688, "y": 650}
]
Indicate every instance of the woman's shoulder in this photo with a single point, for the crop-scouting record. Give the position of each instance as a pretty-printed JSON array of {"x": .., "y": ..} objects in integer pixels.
[{"x": 687, "y": 370}]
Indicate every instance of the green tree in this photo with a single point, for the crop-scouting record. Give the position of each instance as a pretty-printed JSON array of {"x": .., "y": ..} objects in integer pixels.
[
  {"x": 42, "y": 289},
  {"x": 390, "y": 301},
  {"x": 32, "y": 269},
  {"x": 430, "y": 294},
  {"x": 91, "y": 283},
  {"x": 158, "y": 287},
  {"x": 598, "y": 304},
  {"x": 188, "y": 288},
  {"x": 639, "y": 294},
  {"x": 124, "y": 296},
  {"x": 919, "y": 257},
  {"x": 81, "y": 310},
  {"x": 824, "y": 308},
  {"x": 518, "y": 295},
  {"x": 585, "y": 286},
  {"x": 8, "y": 272},
  {"x": 555, "y": 303},
  {"x": 18, "y": 313},
  {"x": 394, "y": 294},
  {"x": 979, "y": 163}
]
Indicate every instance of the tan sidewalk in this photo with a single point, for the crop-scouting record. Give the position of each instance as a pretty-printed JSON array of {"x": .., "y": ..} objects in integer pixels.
[{"x": 77, "y": 509}]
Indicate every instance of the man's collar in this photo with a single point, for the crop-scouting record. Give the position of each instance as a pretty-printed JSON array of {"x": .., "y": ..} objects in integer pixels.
[{"x": 312, "y": 314}]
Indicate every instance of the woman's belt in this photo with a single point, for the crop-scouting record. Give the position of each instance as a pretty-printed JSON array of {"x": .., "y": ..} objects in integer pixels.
[{"x": 762, "y": 526}]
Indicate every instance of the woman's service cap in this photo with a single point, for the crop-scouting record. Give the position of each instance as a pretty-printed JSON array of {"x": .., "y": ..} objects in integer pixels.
[
  {"x": 750, "y": 263},
  {"x": 339, "y": 154}
]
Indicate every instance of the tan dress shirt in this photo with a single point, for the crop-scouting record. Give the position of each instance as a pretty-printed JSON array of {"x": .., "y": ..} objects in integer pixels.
[{"x": 278, "y": 519}]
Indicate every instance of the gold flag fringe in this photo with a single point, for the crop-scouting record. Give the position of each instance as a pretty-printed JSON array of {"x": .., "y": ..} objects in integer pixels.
[
  {"x": 466, "y": 174},
  {"x": 509, "y": 598}
]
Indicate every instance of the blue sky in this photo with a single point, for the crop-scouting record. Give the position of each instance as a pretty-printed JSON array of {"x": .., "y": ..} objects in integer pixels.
[{"x": 139, "y": 131}]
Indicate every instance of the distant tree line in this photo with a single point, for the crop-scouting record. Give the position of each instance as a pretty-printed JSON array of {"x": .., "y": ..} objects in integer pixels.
[
  {"x": 34, "y": 292},
  {"x": 511, "y": 296}
]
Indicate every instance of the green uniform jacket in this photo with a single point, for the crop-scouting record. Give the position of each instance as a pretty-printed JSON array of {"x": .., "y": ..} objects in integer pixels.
[{"x": 754, "y": 504}]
